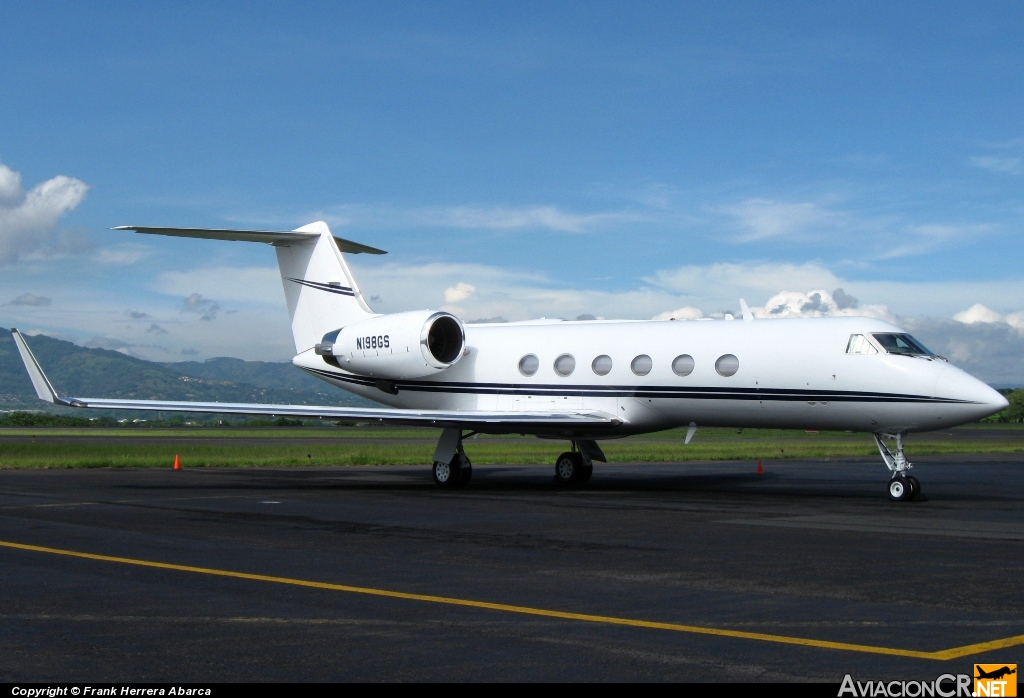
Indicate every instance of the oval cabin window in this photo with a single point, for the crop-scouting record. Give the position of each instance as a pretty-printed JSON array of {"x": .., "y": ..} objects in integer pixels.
[
  {"x": 528, "y": 365},
  {"x": 642, "y": 365},
  {"x": 565, "y": 364},
  {"x": 602, "y": 365},
  {"x": 682, "y": 365},
  {"x": 727, "y": 365}
]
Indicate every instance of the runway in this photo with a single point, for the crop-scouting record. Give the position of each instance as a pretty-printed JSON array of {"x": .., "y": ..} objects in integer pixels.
[{"x": 696, "y": 571}]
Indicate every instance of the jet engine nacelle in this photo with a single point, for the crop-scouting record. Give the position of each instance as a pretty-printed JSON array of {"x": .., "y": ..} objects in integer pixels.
[{"x": 413, "y": 344}]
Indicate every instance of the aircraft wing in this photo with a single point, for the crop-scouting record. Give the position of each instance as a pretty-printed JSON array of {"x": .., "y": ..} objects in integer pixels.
[{"x": 464, "y": 419}]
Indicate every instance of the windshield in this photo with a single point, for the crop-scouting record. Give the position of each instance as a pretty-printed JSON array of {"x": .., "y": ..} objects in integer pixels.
[{"x": 902, "y": 344}]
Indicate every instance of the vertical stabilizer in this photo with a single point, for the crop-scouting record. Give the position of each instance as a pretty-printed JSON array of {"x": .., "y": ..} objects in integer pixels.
[{"x": 321, "y": 293}]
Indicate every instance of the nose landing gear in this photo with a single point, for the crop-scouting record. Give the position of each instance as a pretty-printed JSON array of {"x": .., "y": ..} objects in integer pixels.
[{"x": 902, "y": 487}]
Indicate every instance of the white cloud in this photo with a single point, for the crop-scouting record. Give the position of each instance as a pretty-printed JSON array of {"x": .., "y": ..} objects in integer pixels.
[
  {"x": 989, "y": 351},
  {"x": 819, "y": 303},
  {"x": 459, "y": 292},
  {"x": 467, "y": 217},
  {"x": 685, "y": 313},
  {"x": 764, "y": 218},
  {"x": 28, "y": 219},
  {"x": 980, "y": 314},
  {"x": 746, "y": 279},
  {"x": 924, "y": 238},
  {"x": 122, "y": 256},
  {"x": 235, "y": 284},
  {"x": 514, "y": 218},
  {"x": 999, "y": 164},
  {"x": 977, "y": 313}
]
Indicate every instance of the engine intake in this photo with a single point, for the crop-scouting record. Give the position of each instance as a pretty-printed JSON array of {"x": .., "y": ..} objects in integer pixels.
[{"x": 413, "y": 344}]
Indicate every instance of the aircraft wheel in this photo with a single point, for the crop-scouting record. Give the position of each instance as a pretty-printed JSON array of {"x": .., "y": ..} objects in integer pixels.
[
  {"x": 466, "y": 469},
  {"x": 448, "y": 474},
  {"x": 585, "y": 472},
  {"x": 899, "y": 489},
  {"x": 568, "y": 467},
  {"x": 915, "y": 486}
]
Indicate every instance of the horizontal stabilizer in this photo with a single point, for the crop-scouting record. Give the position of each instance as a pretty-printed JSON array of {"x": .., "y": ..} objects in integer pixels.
[
  {"x": 278, "y": 238},
  {"x": 478, "y": 420}
]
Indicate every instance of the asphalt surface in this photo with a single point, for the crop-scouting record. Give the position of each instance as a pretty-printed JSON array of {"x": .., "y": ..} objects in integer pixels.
[{"x": 807, "y": 550}]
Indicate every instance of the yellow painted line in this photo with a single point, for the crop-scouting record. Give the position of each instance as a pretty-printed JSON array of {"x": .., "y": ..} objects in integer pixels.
[{"x": 952, "y": 653}]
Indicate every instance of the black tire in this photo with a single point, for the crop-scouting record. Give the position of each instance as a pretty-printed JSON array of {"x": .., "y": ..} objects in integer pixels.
[
  {"x": 585, "y": 472},
  {"x": 448, "y": 474},
  {"x": 915, "y": 486},
  {"x": 899, "y": 489},
  {"x": 567, "y": 468},
  {"x": 466, "y": 471}
]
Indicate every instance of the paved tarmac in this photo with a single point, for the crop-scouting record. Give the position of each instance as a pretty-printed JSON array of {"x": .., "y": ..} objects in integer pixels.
[{"x": 808, "y": 552}]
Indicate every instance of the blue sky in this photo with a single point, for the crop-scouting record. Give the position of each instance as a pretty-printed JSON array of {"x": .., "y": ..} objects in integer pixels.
[{"x": 517, "y": 160}]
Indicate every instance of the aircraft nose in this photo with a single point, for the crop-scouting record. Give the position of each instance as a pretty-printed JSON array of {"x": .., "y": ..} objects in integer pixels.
[{"x": 978, "y": 398}]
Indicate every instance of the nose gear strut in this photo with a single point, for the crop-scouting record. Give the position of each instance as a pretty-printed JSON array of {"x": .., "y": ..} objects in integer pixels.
[{"x": 902, "y": 487}]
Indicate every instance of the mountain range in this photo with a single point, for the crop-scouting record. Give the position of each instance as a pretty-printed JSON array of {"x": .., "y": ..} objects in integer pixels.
[{"x": 80, "y": 371}]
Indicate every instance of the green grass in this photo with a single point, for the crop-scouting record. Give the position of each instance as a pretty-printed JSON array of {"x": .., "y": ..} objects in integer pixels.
[{"x": 398, "y": 446}]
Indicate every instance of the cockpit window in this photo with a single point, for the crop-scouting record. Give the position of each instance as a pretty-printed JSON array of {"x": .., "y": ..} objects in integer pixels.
[
  {"x": 859, "y": 344},
  {"x": 902, "y": 344}
]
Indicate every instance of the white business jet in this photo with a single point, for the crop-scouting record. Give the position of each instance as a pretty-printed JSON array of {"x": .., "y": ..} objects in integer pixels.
[{"x": 586, "y": 381}]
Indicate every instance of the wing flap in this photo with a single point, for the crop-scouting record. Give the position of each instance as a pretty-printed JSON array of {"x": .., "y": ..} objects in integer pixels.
[{"x": 435, "y": 418}]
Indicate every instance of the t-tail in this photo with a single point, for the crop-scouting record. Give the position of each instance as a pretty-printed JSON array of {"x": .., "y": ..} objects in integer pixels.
[{"x": 321, "y": 293}]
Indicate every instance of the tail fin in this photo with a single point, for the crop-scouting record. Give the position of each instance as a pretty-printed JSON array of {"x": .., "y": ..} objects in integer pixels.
[
  {"x": 322, "y": 295},
  {"x": 321, "y": 292}
]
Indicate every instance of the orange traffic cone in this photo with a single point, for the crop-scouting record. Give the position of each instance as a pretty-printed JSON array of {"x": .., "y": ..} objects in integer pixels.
[
  {"x": 177, "y": 462},
  {"x": 760, "y": 468}
]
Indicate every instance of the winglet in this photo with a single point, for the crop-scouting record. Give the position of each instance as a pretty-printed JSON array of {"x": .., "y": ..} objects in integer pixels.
[
  {"x": 43, "y": 388},
  {"x": 747, "y": 315}
]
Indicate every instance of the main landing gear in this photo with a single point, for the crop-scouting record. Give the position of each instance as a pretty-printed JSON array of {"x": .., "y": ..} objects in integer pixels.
[
  {"x": 902, "y": 487},
  {"x": 574, "y": 467},
  {"x": 451, "y": 466},
  {"x": 453, "y": 469}
]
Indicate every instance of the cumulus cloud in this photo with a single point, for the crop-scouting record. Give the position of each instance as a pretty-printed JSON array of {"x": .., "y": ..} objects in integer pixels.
[
  {"x": 979, "y": 313},
  {"x": 28, "y": 219},
  {"x": 990, "y": 351},
  {"x": 31, "y": 300},
  {"x": 819, "y": 303},
  {"x": 155, "y": 329},
  {"x": 684, "y": 313},
  {"x": 459, "y": 292},
  {"x": 205, "y": 308},
  {"x": 136, "y": 315}
]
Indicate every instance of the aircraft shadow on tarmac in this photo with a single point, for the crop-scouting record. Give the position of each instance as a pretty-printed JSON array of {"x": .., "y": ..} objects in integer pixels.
[{"x": 512, "y": 480}]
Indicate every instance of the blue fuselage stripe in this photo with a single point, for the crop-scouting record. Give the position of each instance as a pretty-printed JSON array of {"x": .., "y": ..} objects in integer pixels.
[{"x": 696, "y": 393}]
